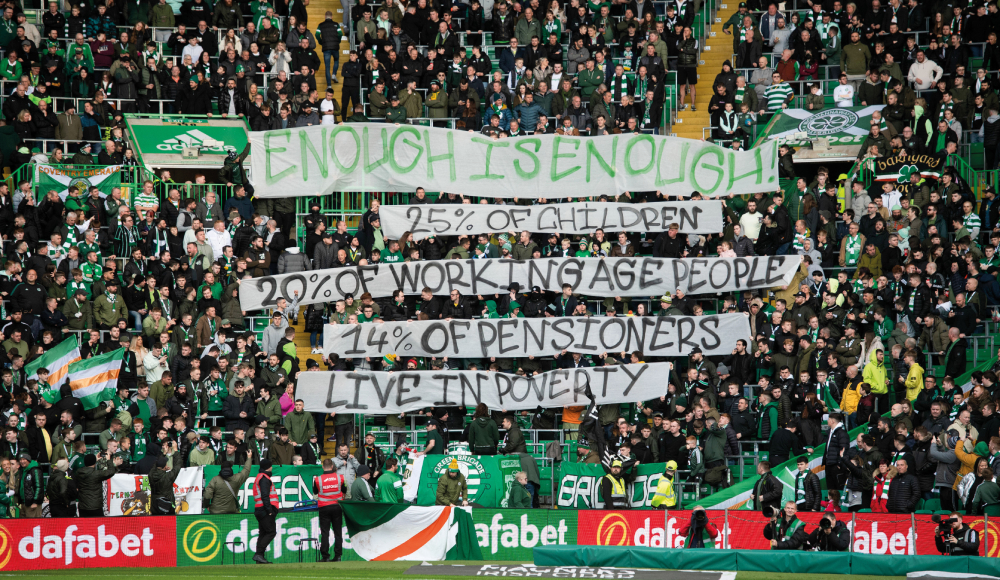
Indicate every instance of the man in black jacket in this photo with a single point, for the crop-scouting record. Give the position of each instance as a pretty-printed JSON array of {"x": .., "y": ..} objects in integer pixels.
[
  {"x": 807, "y": 488},
  {"x": 743, "y": 420},
  {"x": 961, "y": 539},
  {"x": 904, "y": 491},
  {"x": 785, "y": 443},
  {"x": 766, "y": 494},
  {"x": 955, "y": 357},
  {"x": 836, "y": 443},
  {"x": 831, "y": 535},
  {"x": 456, "y": 307}
]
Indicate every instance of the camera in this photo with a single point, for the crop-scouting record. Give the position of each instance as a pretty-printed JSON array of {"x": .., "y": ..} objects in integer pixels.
[
  {"x": 825, "y": 524},
  {"x": 944, "y": 525}
]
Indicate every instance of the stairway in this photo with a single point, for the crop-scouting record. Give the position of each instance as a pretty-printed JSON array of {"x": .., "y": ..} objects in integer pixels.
[
  {"x": 716, "y": 49},
  {"x": 304, "y": 351},
  {"x": 317, "y": 14}
]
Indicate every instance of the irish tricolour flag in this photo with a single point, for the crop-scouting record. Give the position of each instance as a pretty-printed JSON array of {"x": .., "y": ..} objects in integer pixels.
[
  {"x": 386, "y": 532},
  {"x": 56, "y": 361},
  {"x": 95, "y": 379}
]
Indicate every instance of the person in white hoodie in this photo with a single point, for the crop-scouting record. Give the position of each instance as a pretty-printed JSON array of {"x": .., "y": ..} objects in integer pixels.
[
  {"x": 925, "y": 73},
  {"x": 218, "y": 238}
]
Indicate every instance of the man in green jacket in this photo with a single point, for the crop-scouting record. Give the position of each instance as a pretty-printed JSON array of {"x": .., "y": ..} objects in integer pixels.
[
  {"x": 395, "y": 113},
  {"x": 108, "y": 307},
  {"x": 221, "y": 493},
  {"x": 300, "y": 424},
  {"x": 519, "y": 496},
  {"x": 435, "y": 442},
  {"x": 269, "y": 407},
  {"x": 452, "y": 488},
  {"x": 589, "y": 79},
  {"x": 361, "y": 489},
  {"x": 856, "y": 57},
  {"x": 390, "y": 485},
  {"x": 767, "y": 422}
]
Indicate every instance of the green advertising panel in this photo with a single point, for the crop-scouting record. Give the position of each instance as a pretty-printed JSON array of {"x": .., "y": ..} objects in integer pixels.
[
  {"x": 509, "y": 534},
  {"x": 174, "y": 137},
  {"x": 293, "y": 484},
  {"x": 211, "y": 540},
  {"x": 580, "y": 485},
  {"x": 489, "y": 477}
]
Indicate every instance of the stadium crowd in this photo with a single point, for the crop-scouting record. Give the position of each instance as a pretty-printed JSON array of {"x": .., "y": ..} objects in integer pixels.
[{"x": 873, "y": 329}]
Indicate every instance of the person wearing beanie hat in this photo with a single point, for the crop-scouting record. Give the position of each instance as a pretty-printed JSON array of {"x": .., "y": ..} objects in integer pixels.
[
  {"x": 221, "y": 492},
  {"x": 452, "y": 487},
  {"x": 265, "y": 499},
  {"x": 361, "y": 489},
  {"x": 89, "y": 485},
  {"x": 60, "y": 499}
]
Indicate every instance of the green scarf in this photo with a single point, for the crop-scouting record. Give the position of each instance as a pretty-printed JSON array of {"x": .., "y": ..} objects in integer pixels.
[
  {"x": 853, "y": 249},
  {"x": 111, "y": 297}
]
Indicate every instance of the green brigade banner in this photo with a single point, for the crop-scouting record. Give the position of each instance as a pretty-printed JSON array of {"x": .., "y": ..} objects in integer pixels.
[
  {"x": 580, "y": 485},
  {"x": 489, "y": 477},
  {"x": 840, "y": 125},
  {"x": 512, "y": 534},
  {"x": 901, "y": 167},
  {"x": 377, "y": 157},
  {"x": 294, "y": 483},
  {"x": 60, "y": 179}
]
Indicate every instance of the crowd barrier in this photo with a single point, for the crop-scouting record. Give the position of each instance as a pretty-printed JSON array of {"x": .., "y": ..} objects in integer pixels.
[
  {"x": 503, "y": 535},
  {"x": 748, "y": 561}
]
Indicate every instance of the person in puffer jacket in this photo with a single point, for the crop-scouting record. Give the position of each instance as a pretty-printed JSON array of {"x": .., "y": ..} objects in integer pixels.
[
  {"x": 904, "y": 491},
  {"x": 292, "y": 260}
]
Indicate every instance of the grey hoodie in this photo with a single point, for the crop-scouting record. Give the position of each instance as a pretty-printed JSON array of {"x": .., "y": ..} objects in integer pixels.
[{"x": 948, "y": 465}]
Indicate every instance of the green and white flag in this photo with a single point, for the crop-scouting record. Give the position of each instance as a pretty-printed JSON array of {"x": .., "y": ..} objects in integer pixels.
[
  {"x": 388, "y": 532},
  {"x": 95, "y": 379},
  {"x": 62, "y": 178},
  {"x": 56, "y": 361}
]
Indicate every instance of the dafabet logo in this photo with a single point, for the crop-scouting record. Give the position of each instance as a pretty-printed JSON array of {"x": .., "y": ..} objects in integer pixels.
[
  {"x": 613, "y": 531},
  {"x": 201, "y": 541},
  {"x": 6, "y": 546}
]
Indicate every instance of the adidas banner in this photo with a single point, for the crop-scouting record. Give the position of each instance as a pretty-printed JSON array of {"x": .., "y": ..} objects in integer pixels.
[{"x": 60, "y": 179}]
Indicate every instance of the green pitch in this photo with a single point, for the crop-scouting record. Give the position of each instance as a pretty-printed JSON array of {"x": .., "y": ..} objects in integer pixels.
[{"x": 338, "y": 571}]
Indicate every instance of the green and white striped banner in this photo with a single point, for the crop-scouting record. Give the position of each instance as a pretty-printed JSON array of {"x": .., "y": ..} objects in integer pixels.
[
  {"x": 56, "y": 361},
  {"x": 95, "y": 379}
]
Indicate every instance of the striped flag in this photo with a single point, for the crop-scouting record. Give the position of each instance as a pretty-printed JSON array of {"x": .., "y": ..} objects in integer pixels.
[
  {"x": 95, "y": 379},
  {"x": 57, "y": 361},
  {"x": 385, "y": 532}
]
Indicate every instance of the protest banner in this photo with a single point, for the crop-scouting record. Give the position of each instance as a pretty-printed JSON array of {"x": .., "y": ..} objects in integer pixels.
[
  {"x": 604, "y": 277},
  {"x": 129, "y": 495},
  {"x": 520, "y": 337},
  {"x": 378, "y": 393},
  {"x": 318, "y": 160},
  {"x": 692, "y": 217}
]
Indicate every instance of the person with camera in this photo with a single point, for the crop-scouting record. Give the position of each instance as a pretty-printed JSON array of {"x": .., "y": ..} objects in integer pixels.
[
  {"x": 785, "y": 530},
  {"x": 953, "y": 538},
  {"x": 831, "y": 535},
  {"x": 699, "y": 532}
]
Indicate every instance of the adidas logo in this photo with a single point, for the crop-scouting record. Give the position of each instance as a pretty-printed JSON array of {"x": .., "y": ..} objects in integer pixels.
[{"x": 191, "y": 138}]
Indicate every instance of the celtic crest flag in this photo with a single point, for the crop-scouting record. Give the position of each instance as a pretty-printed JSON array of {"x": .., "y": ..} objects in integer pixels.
[
  {"x": 61, "y": 178},
  {"x": 839, "y": 125}
]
